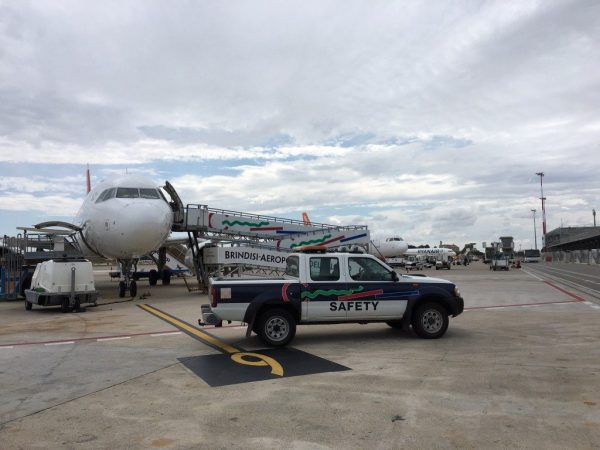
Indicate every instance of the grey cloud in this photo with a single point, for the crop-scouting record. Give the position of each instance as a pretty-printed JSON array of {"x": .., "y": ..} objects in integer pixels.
[
  {"x": 438, "y": 106},
  {"x": 37, "y": 118},
  {"x": 218, "y": 137}
]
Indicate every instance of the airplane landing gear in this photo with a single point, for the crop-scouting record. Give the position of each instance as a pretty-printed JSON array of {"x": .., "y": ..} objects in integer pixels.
[
  {"x": 153, "y": 277},
  {"x": 133, "y": 288},
  {"x": 128, "y": 282}
]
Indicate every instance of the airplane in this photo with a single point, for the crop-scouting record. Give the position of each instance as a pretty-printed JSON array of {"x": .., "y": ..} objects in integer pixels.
[
  {"x": 391, "y": 247},
  {"x": 430, "y": 252},
  {"x": 122, "y": 218},
  {"x": 388, "y": 248}
]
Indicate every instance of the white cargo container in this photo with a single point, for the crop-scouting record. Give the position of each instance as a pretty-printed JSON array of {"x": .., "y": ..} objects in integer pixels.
[{"x": 68, "y": 283}]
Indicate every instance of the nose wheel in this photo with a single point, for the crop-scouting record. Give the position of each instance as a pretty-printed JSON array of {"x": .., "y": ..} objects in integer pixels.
[
  {"x": 128, "y": 268},
  {"x": 123, "y": 288}
]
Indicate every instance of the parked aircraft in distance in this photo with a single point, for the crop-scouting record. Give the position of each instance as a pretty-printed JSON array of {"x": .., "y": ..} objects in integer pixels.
[
  {"x": 122, "y": 218},
  {"x": 389, "y": 247},
  {"x": 430, "y": 252}
]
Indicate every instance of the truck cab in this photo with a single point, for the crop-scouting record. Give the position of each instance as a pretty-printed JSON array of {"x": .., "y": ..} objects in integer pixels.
[{"x": 320, "y": 287}]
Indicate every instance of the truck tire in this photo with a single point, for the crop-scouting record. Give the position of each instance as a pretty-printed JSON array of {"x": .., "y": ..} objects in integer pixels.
[
  {"x": 430, "y": 320},
  {"x": 276, "y": 327},
  {"x": 122, "y": 289}
]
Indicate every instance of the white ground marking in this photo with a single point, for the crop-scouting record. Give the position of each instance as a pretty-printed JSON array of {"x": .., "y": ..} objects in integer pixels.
[
  {"x": 113, "y": 338},
  {"x": 174, "y": 333},
  {"x": 574, "y": 273},
  {"x": 59, "y": 343},
  {"x": 534, "y": 276},
  {"x": 6, "y": 346}
]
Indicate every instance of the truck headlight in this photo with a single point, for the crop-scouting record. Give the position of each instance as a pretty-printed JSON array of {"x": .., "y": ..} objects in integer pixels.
[{"x": 456, "y": 292}]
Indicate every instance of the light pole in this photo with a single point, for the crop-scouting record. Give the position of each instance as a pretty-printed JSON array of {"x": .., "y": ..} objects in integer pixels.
[
  {"x": 543, "y": 199},
  {"x": 534, "y": 229},
  {"x": 594, "y": 214}
]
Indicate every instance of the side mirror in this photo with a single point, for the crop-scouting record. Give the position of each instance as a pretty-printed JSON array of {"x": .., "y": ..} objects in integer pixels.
[{"x": 395, "y": 276}]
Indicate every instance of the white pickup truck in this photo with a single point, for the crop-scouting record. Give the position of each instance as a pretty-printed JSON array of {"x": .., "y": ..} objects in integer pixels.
[{"x": 321, "y": 287}]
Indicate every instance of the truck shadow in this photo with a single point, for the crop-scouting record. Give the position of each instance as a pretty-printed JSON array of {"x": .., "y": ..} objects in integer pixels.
[{"x": 359, "y": 335}]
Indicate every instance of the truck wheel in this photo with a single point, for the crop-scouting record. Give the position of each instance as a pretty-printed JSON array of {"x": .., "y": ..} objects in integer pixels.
[
  {"x": 430, "y": 320},
  {"x": 122, "y": 289},
  {"x": 276, "y": 327},
  {"x": 153, "y": 277},
  {"x": 28, "y": 305}
]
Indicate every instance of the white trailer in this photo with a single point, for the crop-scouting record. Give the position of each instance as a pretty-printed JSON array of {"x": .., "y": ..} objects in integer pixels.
[{"x": 66, "y": 283}]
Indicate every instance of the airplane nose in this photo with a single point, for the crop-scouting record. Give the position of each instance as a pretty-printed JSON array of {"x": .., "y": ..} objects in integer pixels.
[{"x": 143, "y": 227}]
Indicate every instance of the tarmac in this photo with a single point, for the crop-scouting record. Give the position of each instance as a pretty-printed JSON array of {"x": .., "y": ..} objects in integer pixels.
[{"x": 520, "y": 368}]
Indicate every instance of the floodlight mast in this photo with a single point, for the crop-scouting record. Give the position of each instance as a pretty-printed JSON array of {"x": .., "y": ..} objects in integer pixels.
[
  {"x": 534, "y": 229},
  {"x": 543, "y": 199}
]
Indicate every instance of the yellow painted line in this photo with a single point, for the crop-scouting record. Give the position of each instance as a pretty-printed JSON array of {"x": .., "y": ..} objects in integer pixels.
[
  {"x": 184, "y": 326},
  {"x": 263, "y": 360},
  {"x": 237, "y": 355}
]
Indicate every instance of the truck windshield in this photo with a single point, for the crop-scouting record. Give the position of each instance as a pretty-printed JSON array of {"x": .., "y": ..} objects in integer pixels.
[
  {"x": 367, "y": 269},
  {"x": 291, "y": 267}
]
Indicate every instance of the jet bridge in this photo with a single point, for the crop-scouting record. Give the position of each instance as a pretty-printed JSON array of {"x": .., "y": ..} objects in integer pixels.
[
  {"x": 260, "y": 233},
  {"x": 284, "y": 233}
]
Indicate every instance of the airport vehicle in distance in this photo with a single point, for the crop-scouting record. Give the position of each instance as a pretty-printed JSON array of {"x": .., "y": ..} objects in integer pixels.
[
  {"x": 320, "y": 287},
  {"x": 499, "y": 263},
  {"x": 443, "y": 263},
  {"x": 532, "y": 256}
]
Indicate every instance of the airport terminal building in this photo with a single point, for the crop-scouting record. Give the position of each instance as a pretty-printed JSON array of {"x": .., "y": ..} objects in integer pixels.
[{"x": 574, "y": 244}]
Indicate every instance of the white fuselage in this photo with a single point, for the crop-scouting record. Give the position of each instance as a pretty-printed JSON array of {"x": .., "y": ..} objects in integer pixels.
[
  {"x": 124, "y": 218},
  {"x": 430, "y": 252},
  {"x": 388, "y": 248}
]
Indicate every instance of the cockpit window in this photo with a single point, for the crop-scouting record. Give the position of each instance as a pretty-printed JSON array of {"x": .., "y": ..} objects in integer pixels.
[
  {"x": 101, "y": 196},
  {"x": 106, "y": 194},
  {"x": 148, "y": 193},
  {"x": 128, "y": 192}
]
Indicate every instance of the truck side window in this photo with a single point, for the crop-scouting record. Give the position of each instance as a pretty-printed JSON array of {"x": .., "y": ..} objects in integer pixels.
[
  {"x": 324, "y": 269},
  {"x": 367, "y": 269},
  {"x": 291, "y": 267}
]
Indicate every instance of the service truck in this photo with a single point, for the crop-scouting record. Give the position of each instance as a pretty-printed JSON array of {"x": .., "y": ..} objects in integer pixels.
[{"x": 328, "y": 288}]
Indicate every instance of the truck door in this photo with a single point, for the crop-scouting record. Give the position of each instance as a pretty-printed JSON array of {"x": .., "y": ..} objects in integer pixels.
[
  {"x": 375, "y": 293},
  {"x": 323, "y": 286}
]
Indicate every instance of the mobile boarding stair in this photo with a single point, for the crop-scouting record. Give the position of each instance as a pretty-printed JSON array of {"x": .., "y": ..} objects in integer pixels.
[
  {"x": 258, "y": 233},
  {"x": 20, "y": 254}
]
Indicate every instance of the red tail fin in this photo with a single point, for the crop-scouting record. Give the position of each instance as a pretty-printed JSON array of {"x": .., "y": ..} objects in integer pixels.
[
  {"x": 88, "y": 181},
  {"x": 305, "y": 218}
]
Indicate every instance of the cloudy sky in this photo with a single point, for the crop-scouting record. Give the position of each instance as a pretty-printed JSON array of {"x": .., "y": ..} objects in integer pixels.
[{"x": 422, "y": 119}]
